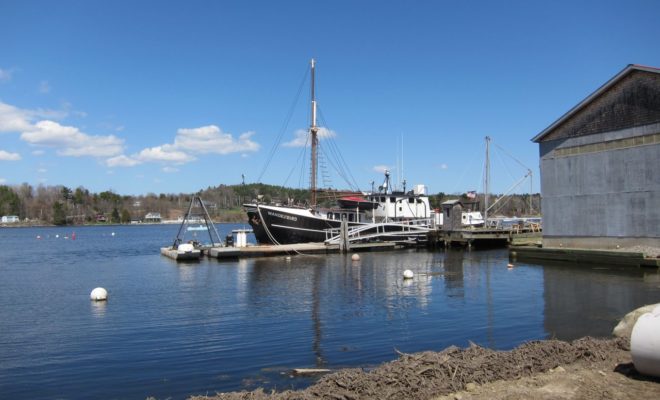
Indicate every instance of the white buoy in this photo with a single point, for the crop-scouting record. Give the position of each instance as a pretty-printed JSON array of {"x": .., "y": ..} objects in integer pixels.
[
  {"x": 645, "y": 343},
  {"x": 112, "y": 234},
  {"x": 57, "y": 236},
  {"x": 288, "y": 258},
  {"x": 408, "y": 274},
  {"x": 509, "y": 266},
  {"x": 99, "y": 294},
  {"x": 355, "y": 257}
]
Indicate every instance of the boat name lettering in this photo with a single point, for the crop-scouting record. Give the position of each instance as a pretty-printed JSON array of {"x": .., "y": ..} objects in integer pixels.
[{"x": 289, "y": 217}]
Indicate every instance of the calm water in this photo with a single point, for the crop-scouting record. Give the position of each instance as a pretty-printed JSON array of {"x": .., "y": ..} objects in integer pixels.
[{"x": 174, "y": 330}]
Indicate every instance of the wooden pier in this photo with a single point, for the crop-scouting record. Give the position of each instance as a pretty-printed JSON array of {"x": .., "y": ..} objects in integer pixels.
[
  {"x": 293, "y": 249},
  {"x": 487, "y": 237}
]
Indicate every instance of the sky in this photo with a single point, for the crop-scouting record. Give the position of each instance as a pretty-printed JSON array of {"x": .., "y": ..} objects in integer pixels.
[{"x": 143, "y": 97}]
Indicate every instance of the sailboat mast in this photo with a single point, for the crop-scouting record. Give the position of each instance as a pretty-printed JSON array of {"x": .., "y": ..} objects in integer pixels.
[
  {"x": 486, "y": 180},
  {"x": 313, "y": 130}
]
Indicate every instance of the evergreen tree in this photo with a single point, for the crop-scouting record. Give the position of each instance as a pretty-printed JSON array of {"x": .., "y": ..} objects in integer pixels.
[
  {"x": 59, "y": 214},
  {"x": 10, "y": 203}
]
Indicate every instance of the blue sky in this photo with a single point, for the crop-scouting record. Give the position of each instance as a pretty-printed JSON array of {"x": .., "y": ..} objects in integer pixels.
[{"x": 169, "y": 97}]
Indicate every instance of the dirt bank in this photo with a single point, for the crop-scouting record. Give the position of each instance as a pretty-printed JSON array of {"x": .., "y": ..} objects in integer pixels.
[{"x": 583, "y": 369}]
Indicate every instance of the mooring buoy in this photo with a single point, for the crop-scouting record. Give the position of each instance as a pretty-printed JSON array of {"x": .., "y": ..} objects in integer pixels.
[
  {"x": 99, "y": 294},
  {"x": 355, "y": 257},
  {"x": 408, "y": 274}
]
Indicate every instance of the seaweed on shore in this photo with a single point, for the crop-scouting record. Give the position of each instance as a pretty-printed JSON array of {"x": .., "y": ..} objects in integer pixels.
[{"x": 427, "y": 374}]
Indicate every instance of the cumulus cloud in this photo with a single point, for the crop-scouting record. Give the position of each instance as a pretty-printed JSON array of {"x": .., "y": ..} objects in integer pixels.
[
  {"x": 121, "y": 161},
  {"x": 14, "y": 119},
  {"x": 202, "y": 140},
  {"x": 211, "y": 139},
  {"x": 300, "y": 137},
  {"x": 7, "y": 156},
  {"x": 381, "y": 168},
  {"x": 166, "y": 152},
  {"x": 70, "y": 141}
]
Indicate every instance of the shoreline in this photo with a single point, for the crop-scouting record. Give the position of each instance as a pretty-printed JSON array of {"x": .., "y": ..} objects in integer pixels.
[{"x": 586, "y": 368}]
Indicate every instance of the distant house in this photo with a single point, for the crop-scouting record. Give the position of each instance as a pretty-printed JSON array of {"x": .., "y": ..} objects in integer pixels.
[
  {"x": 101, "y": 218},
  {"x": 600, "y": 166},
  {"x": 10, "y": 219},
  {"x": 153, "y": 217}
]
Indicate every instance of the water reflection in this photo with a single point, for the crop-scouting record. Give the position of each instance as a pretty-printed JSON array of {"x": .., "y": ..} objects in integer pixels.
[
  {"x": 453, "y": 269},
  {"x": 98, "y": 308},
  {"x": 184, "y": 329},
  {"x": 582, "y": 299}
]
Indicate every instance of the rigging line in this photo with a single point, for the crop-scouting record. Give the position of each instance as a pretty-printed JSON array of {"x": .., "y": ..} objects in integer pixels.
[
  {"x": 505, "y": 165},
  {"x": 340, "y": 158},
  {"x": 300, "y": 155},
  {"x": 515, "y": 159},
  {"x": 287, "y": 120}
]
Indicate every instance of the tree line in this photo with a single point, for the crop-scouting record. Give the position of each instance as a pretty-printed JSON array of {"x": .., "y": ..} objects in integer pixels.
[{"x": 61, "y": 205}]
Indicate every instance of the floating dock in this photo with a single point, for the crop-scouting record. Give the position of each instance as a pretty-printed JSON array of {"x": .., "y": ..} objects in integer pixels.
[
  {"x": 590, "y": 256},
  {"x": 181, "y": 254},
  {"x": 293, "y": 249}
]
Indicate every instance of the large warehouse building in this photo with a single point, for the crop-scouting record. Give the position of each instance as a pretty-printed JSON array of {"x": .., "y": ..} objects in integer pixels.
[{"x": 600, "y": 167}]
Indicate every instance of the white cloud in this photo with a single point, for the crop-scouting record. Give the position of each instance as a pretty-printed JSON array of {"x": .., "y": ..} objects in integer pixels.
[
  {"x": 14, "y": 119},
  {"x": 381, "y": 168},
  {"x": 444, "y": 166},
  {"x": 3, "y": 180},
  {"x": 38, "y": 152},
  {"x": 166, "y": 152},
  {"x": 70, "y": 141},
  {"x": 42, "y": 170},
  {"x": 170, "y": 170},
  {"x": 44, "y": 87},
  {"x": 211, "y": 139},
  {"x": 202, "y": 140},
  {"x": 301, "y": 135},
  {"x": 7, "y": 156},
  {"x": 121, "y": 161}
]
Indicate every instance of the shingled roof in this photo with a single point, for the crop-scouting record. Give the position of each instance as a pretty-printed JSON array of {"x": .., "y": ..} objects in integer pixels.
[{"x": 595, "y": 95}]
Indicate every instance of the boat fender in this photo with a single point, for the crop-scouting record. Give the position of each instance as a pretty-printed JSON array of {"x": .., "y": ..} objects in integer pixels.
[{"x": 645, "y": 343}]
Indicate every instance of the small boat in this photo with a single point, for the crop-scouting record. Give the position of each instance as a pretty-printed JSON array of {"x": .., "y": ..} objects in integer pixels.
[
  {"x": 197, "y": 228},
  {"x": 183, "y": 252}
]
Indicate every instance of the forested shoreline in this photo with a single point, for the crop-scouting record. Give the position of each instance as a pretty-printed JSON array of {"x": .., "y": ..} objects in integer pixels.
[{"x": 61, "y": 205}]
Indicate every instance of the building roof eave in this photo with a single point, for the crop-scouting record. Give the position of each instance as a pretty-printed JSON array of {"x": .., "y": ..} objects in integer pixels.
[{"x": 592, "y": 96}]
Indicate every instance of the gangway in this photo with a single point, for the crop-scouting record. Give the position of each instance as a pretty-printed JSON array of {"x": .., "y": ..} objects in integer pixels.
[{"x": 416, "y": 231}]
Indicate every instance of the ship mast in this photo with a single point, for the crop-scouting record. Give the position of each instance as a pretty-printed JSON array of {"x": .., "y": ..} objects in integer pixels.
[
  {"x": 486, "y": 180},
  {"x": 313, "y": 130}
]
